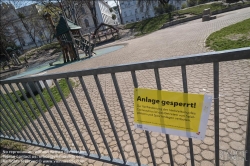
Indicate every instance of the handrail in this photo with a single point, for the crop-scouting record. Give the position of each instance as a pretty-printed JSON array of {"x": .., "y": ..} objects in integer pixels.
[{"x": 209, "y": 57}]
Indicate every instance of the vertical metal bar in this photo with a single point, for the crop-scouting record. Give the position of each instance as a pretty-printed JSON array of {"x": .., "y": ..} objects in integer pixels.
[
  {"x": 185, "y": 89},
  {"x": 158, "y": 83},
  {"x": 17, "y": 121},
  {"x": 247, "y": 144},
  {"x": 216, "y": 111},
  {"x": 14, "y": 113},
  {"x": 109, "y": 116},
  {"x": 5, "y": 129},
  {"x": 83, "y": 117},
  {"x": 10, "y": 125},
  {"x": 118, "y": 92},
  {"x": 95, "y": 116},
  {"x": 134, "y": 79},
  {"x": 24, "y": 119},
  {"x": 147, "y": 133},
  {"x": 59, "y": 112},
  {"x": 28, "y": 114},
  {"x": 71, "y": 116},
  {"x": 8, "y": 132},
  {"x": 37, "y": 117},
  {"x": 52, "y": 116},
  {"x": 10, "y": 116}
]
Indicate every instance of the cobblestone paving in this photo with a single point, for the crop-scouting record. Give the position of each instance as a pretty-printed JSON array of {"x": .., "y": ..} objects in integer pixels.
[{"x": 174, "y": 41}]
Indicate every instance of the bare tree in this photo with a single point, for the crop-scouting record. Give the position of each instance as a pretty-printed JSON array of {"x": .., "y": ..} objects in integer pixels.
[
  {"x": 24, "y": 18},
  {"x": 27, "y": 24},
  {"x": 18, "y": 33},
  {"x": 53, "y": 9},
  {"x": 6, "y": 34}
]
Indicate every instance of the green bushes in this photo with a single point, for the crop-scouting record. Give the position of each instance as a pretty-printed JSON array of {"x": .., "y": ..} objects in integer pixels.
[
  {"x": 149, "y": 25},
  {"x": 202, "y": 1},
  {"x": 183, "y": 6},
  {"x": 191, "y": 3},
  {"x": 167, "y": 8}
]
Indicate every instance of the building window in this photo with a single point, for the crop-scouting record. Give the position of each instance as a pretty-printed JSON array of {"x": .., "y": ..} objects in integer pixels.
[
  {"x": 132, "y": 20},
  {"x": 86, "y": 21},
  {"x": 83, "y": 11},
  {"x": 137, "y": 19}
]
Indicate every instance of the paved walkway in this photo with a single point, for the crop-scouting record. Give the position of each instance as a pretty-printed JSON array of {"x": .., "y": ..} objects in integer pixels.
[
  {"x": 182, "y": 39},
  {"x": 178, "y": 40}
]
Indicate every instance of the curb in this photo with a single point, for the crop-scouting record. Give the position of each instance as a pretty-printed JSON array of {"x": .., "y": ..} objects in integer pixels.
[{"x": 172, "y": 23}]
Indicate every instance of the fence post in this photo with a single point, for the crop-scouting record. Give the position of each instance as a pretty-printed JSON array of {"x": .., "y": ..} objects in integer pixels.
[{"x": 247, "y": 148}]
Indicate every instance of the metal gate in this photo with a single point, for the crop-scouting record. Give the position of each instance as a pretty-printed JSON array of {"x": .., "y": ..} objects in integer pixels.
[{"x": 49, "y": 118}]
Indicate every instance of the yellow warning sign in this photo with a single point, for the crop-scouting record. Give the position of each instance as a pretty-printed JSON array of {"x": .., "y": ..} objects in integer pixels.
[{"x": 171, "y": 112}]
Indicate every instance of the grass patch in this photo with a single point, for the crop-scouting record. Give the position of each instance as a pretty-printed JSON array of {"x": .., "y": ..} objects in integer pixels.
[
  {"x": 56, "y": 46},
  {"x": 197, "y": 10},
  {"x": 15, "y": 146},
  {"x": 148, "y": 25},
  {"x": 155, "y": 23},
  {"x": 231, "y": 37},
  {"x": 54, "y": 91}
]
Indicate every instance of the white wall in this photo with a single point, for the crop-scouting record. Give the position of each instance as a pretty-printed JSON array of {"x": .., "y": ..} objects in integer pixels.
[
  {"x": 103, "y": 13},
  {"x": 131, "y": 12}
]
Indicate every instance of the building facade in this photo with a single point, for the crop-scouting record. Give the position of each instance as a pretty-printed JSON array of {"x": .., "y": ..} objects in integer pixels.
[
  {"x": 132, "y": 12},
  {"x": 27, "y": 27},
  {"x": 103, "y": 15}
]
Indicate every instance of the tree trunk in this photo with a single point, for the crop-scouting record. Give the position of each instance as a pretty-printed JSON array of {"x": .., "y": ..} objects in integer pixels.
[
  {"x": 26, "y": 28},
  {"x": 43, "y": 30},
  {"x": 93, "y": 13}
]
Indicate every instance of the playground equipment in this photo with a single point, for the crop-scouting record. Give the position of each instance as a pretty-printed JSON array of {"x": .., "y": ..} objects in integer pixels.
[
  {"x": 69, "y": 36},
  {"x": 10, "y": 60},
  {"x": 105, "y": 30}
]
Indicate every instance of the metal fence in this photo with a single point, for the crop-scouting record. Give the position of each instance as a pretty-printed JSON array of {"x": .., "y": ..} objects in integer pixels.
[{"x": 23, "y": 118}]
